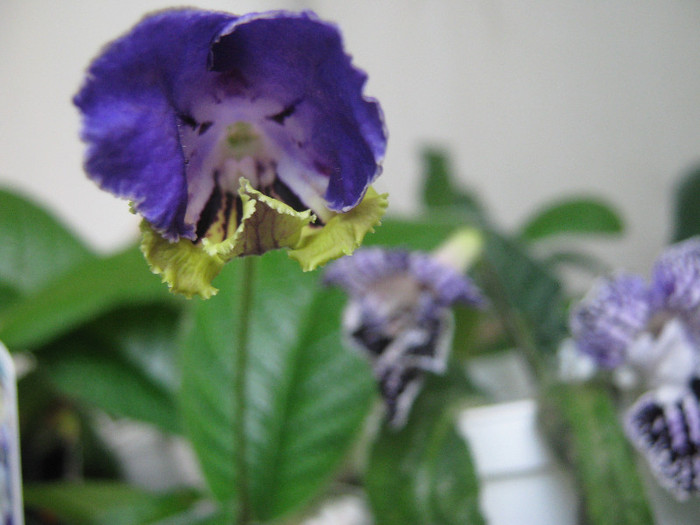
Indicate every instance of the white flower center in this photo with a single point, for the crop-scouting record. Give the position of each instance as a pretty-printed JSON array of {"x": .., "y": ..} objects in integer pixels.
[
  {"x": 259, "y": 140},
  {"x": 667, "y": 359}
]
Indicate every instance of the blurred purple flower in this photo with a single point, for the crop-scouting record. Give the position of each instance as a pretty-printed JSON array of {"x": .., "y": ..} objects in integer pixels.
[
  {"x": 649, "y": 334},
  {"x": 664, "y": 425},
  {"x": 399, "y": 316}
]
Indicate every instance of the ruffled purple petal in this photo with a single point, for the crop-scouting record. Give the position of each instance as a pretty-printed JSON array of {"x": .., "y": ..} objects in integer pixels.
[
  {"x": 357, "y": 273},
  {"x": 399, "y": 317},
  {"x": 610, "y": 318},
  {"x": 136, "y": 96},
  {"x": 448, "y": 285},
  {"x": 160, "y": 101},
  {"x": 665, "y": 427},
  {"x": 676, "y": 282},
  {"x": 298, "y": 60}
]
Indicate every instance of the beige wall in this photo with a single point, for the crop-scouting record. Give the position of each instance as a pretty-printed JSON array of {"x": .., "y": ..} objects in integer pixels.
[{"x": 534, "y": 99}]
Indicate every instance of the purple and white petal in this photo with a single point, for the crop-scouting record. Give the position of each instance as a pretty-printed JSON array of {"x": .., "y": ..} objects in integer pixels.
[
  {"x": 400, "y": 348},
  {"x": 324, "y": 124},
  {"x": 399, "y": 386},
  {"x": 664, "y": 425},
  {"x": 676, "y": 282},
  {"x": 368, "y": 266},
  {"x": 609, "y": 319},
  {"x": 448, "y": 285},
  {"x": 399, "y": 317},
  {"x": 391, "y": 332},
  {"x": 134, "y": 102},
  {"x": 358, "y": 273},
  {"x": 667, "y": 359},
  {"x": 179, "y": 109}
]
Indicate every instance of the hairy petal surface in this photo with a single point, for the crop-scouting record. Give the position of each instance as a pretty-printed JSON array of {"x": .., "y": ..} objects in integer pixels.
[
  {"x": 610, "y": 318},
  {"x": 676, "y": 283}
]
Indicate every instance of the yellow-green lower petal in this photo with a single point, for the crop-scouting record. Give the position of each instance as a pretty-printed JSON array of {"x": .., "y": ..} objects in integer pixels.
[
  {"x": 183, "y": 265},
  {"x": 341, "y": 235},
  {"x": 189, "y": 268},
  {"x": 265, "y": 224}
]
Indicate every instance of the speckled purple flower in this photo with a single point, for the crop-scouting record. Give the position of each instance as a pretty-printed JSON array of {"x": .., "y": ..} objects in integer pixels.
[
  {"x": 664, "y": 425},
  {"x": 209, "y": 122},
  {"x": 399, "y": 316},
  {"x": 622, "y": 320},
  {"x": 649, "y": 334},
  {"x": 610, "y": 318}
]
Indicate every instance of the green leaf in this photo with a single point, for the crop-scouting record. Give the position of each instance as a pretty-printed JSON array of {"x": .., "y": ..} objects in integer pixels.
[
  {"x": 8, "y": 295},
  {"x": 527, "y": 297},
  {"x": 686, "y": 219},
  {"x": 94, "y": 372},
  {"x": 425, "y": 233},
  {"x": 439, "y": 192},
  {"x": 106, "y": 503},
  {"x": 583, "y": 261},
  {"x": 146, "y": 337},
  {"x": 306, "y": 395},
  {"x": 573, "y": 215},
  {"x": 124, "y": 363},
  {"x": 424, "y": 472},
  {"x": 586, "y": 419},
  {"x": 80, "y": 295},
  {"x": 34, "y": 246}
]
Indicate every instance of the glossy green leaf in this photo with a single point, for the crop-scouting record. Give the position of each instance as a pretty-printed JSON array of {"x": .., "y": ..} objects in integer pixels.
[
  {"x": 106, "y": 503},
  {"x": 145, "y": 336},
  {"x": 306, "y": 395},
  {"x": 34, "y": 246},
  {"x": 80, "y": 295},
  {"x": 94, "y": 372},
  {"x": 573, "y": 215},
  {"x": 526, "y": 296},
  {"x": 686, "y": 211},
  {"x": 584, "y": 422},
  {"x": 424, "y": 473}
]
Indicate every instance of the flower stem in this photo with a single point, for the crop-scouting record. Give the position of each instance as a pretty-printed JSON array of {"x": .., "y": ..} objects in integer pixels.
[{"x": 242, "y": 340}]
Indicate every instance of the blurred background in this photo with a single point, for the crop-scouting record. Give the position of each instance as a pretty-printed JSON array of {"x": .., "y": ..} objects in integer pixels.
[{"x": 533, "y": 100}]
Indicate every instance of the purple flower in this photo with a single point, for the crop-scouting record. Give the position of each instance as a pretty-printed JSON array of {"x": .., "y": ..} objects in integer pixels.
[
  {"x": 621, "y": 310},
  {"x": 676, "y": 284},
  {"x": 664, "y": 425},
  {"x": 650, "y": 336},
  {"x": 610, "y": 318},
  {"x": 399, "y": 317},
  {"x": 206, "y": 121}
]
